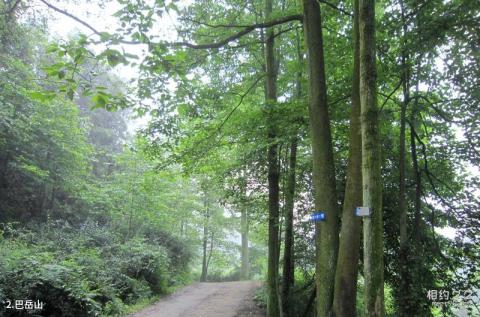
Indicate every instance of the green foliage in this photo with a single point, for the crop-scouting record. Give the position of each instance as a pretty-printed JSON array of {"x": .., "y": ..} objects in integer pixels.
[
  {"x": 44, "y": 146},
  {"x": 74, "y": 201},
  {"x": 93, "y": 222},
  {"x": 84, "y": 271}
]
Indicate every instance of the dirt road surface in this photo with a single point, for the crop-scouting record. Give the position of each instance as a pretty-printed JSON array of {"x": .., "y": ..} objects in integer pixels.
[{"x": 228, "y": 299}]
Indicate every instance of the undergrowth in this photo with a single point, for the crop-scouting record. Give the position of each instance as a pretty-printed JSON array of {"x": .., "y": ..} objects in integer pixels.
[{"x": 88, "y": 270}]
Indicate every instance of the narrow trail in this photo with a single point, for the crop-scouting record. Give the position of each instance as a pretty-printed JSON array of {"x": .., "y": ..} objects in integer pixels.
[{"x": 227, "y": 299}]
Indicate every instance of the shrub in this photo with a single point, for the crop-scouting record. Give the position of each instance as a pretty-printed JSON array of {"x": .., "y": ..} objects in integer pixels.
[
  {"x": 83, "y": 271},
  {"x": 141, "y": 261},
  {"x": 62, "y": 287}
]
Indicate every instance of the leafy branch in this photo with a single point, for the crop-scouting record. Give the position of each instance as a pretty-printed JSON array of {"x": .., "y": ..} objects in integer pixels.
[{"x": 239, "y": 34}]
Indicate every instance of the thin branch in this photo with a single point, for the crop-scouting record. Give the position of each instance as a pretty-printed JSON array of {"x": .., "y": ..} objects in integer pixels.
[
  {"x": 218, "y": 128},
  {"x": 242, "y": 96},
  {"x": 471, "y": 144},
  {"x": 260, "y": 42},
  {"x": 215, "y": 26},
  {"x": 85, "y": 24},
  {"x": 331, "y": 5},
  {"x": 285, "y": 31},
  {"x": 246, "y": 30},
  {"x": 428, "y": 173},
  {"x": 391, "y": 94},
  {"x": 340, "y": 99},
  {"x": 441, "y": 113},
  {"x": 242, "y": 45}
]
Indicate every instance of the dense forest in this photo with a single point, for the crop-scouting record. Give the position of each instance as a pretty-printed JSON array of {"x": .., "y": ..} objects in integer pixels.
[{"x": 328, "y": 149}]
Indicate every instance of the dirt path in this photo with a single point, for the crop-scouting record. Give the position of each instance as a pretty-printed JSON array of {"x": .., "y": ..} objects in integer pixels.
[{"x": 229, "y": 299}]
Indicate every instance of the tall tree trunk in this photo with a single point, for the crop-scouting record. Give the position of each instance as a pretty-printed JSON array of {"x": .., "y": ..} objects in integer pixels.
[
  {"x": 371, "y": 172},
  {"x": 344, "y": 303},
  {"x": 405, "y": 303},
  {"x": 402, "y": 157},
  {"x": 403, "y": 298},
  {"x": 210, "y": 253},
  {"x": 402, "y": 203},
  {"x": 203, "y": 277},
  {"x": 418, "y": 185},
  {"x": 3, "y": 171},
  {"x": 273, "y": 300},
  {"x": 245, "y": 266},
  {"x": 326, "y": 238},
  {"x": 289, "y": 250},
  {"x": 288, "y": 256}
]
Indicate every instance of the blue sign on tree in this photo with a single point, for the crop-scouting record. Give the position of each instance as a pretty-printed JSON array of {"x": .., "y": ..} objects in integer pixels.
[{"x": 318, "y": 216}]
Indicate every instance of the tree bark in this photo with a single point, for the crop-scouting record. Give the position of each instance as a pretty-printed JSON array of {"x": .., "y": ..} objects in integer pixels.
[
  {"x": 203, "y": 277},
  {"x": 273, "y": 301},
  {"x": 289, "y": 251},
  {"x": 403, "y": 299},
  {"x": 371, "y": 173},
  {"x": 405, "y": 302},
  {"x": 288, "y": 255},
  {"x": 344, "y": 303},
  {"x": 210, "y": 253},
  {"x": 402, "y": 203},
  {"x": 326, "y": 238},
  {"x": 3, "y": 172},
  {"x": 245, "y": 266},
  {"x": 417, "y": 202},
  {"x": 402, "y": 157}
]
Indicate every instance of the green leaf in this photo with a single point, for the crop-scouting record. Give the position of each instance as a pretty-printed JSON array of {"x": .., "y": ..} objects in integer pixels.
[
  {"x": 52, "y": 48},
  {"x": 99, "y": 101},
  {"x": 41, "y": 96},
  {"x": 105, "y": 36},
  {"x": 114, "y": 57}
]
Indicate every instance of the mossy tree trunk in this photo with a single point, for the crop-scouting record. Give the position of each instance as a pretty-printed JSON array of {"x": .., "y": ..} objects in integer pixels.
[
  {"x": 326, "y": 239},
  {"x": 273, "y": 300},
  {"x": 245, "y": 266},
  {"x": 371, "y": 160},
  {"x": 344, "y": 303},
  {"x": 203, "y": 277},
  {"x": 405, "y": 302},
  {"x": 289, "y": 247},
  {"x": 288, "y": 255}
]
